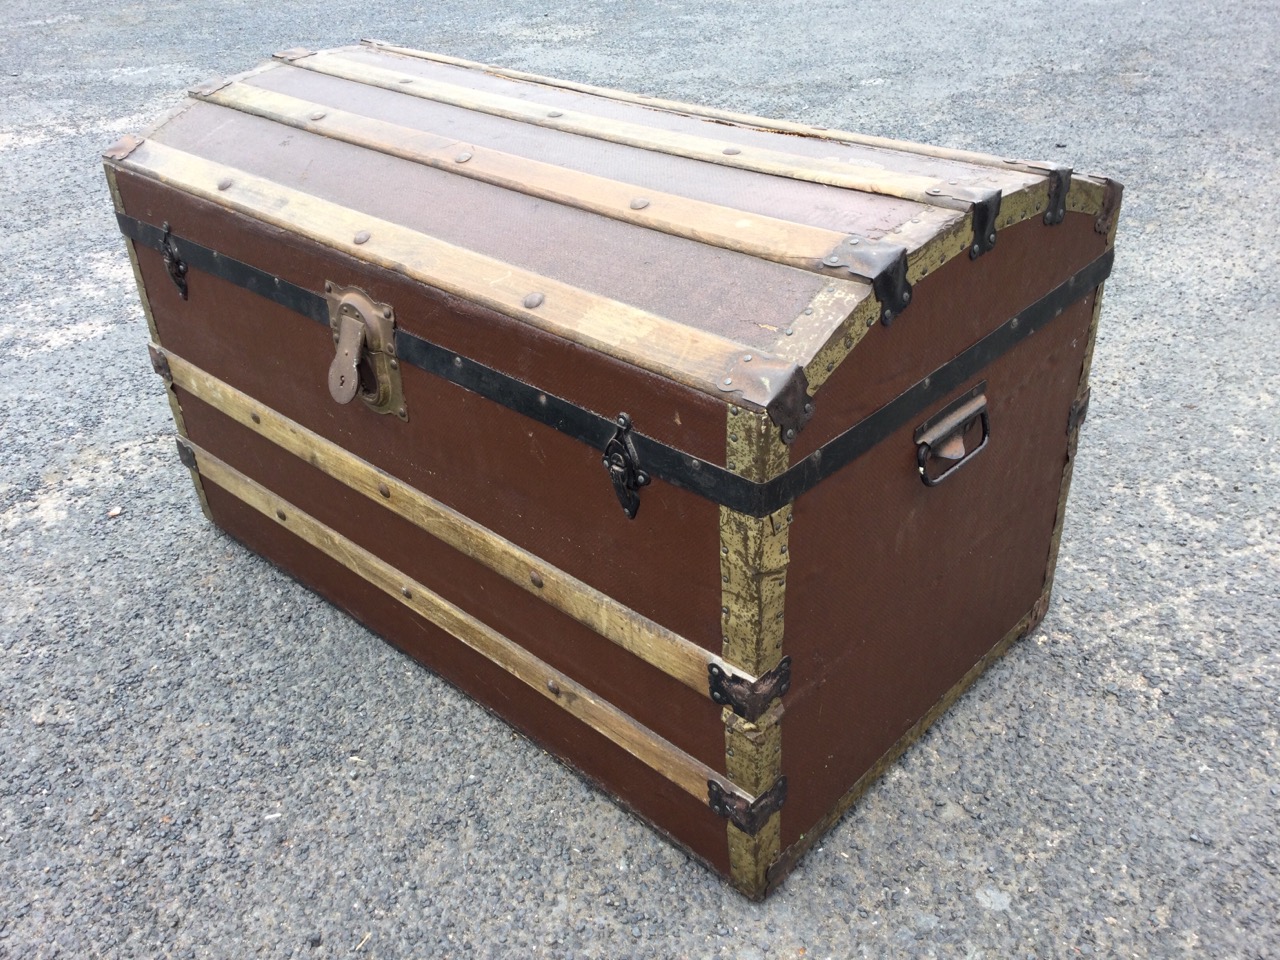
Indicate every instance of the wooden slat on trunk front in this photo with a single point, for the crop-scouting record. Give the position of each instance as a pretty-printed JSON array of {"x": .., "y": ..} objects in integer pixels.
[
  {"x": 677, "y": 766},
  {"x": 651, "y": 642}
]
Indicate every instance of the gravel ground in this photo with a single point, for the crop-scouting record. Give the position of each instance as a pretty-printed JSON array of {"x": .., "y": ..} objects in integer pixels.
[{"x": 202, "y": 759}]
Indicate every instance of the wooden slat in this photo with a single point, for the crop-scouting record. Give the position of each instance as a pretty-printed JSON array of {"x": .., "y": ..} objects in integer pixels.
[
  {"x": 656, "y": 645},
  {"x": 782, "y": 241},
  {"x": 692, "y": 357},
  {"x": 851, "y": 176},
  {"x": 1086, "y": 187},
  {"x": 687, "y": 772}
]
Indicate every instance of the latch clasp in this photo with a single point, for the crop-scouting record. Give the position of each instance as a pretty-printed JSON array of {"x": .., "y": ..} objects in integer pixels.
[
  {"x": 364, "y": 363},
  {"x": 623, "y": 464}
]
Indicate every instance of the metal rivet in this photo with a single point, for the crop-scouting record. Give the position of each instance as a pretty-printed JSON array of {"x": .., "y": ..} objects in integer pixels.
[
  {"x": 533, "y": 300},
  {"x": 808, "y": 311},
  {"x": 933, "y": 192},
  {"x": 906, "y": 296},
  {"x": 991, "y": 237},
  {"x": 790, "y": 433},
  {"x": 328, "y": 286},
  {"x": 747, "y": 358},
  {"x": 952, "y": 182},
  {"x": 783, "y": 548},
  {"x": 224, "y": 183},
  {"x": 853, "y": 241},
  {"x": 790, "y": 331},
  {"x": 915, "y": 219},
  {"x": 318, "y": 115},
  {"x": 555, "y": 113},
  {"x": 888, "y": 316},
  {"x": 395, "y": 364},
  {"x": 832, "y": 261},
  {"x": 402, "y": 412},
  {"x": 725, "y": 551},
  {"x": 406, "y": 80},
  {"x": 639, "y": 203},
  {"x": 553, "y": 687},
  {"x": 927, "y": 381},
  {"x": 407, "y": 592},
  {"x": 724, "y": 611},
  {"x": 731, "y": 151},
  {"x": 384, "y": 490},
  {"x": 457, "y": 361},
  {"x": 462, "y": 157},
  {"x": 727, "y": 381},
  {"x": 542, "y": 399},
  {"x": 975, "y": 250},
  {"x": 808, "y": 408},
  {"x": 255, "y": 418},
  {"x": 280, "y": 514},
  {"x": 363, "y": 236},
  {"x": 871, "y": 321},
  {"x": 831, "y": 289},
  {"x": 1013, "y": 324},
  {"x": 733, "y": 438},
  {"x": 386, "y": 312},
  {"x": 535, "y": 579}
]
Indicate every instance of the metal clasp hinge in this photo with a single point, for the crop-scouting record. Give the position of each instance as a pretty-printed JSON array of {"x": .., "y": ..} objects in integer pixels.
[
  {"x": 749, "y": 699},
  {"x": 749, "y": 816},
  {"x": 623, "y": 464},
  {"x": 364, "y": 362},
  {"x": 173, "y": 263}
]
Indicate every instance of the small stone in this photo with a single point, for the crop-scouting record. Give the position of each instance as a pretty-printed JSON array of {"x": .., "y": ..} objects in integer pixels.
[{"x": 115, "y": 512}]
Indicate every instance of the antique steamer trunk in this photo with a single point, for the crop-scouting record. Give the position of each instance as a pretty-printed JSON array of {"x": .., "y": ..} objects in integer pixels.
[{"x": 717, "y": 454}]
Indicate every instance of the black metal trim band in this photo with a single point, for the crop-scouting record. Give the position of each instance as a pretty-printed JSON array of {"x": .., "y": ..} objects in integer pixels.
[{"x": 659, "y": 460}]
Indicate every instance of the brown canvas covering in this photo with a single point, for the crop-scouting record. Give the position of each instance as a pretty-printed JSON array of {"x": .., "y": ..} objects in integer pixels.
[{"x": 780, "y": 312}]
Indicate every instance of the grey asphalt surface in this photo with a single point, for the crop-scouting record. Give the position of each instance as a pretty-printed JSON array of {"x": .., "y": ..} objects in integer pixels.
[{"x": 202, "y": 759}]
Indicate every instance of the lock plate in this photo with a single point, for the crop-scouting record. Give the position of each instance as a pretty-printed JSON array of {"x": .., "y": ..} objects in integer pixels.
[{"x": 365, "y": 363}]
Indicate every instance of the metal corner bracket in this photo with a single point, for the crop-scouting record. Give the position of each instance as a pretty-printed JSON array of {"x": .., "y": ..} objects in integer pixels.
[
  {"x": 749, "y": 699},
  {"x": 187, "y": 454},
  {"x": 749, "y": 816},
  {"x": 883, "y": 265}
]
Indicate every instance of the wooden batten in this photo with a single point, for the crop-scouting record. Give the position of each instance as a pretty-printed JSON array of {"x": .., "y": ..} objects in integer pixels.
[
  {"x": 654, "y": 644},
  {"x": 691, "y": 357},
  {"x": 868, "y": 179},
  {"x": 1086, "y": 194},
  {"x": 683, "y": 770},
  {"x": 781, "y": 241}
]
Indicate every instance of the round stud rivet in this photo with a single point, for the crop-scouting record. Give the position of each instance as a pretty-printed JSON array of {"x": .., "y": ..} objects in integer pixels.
[
  {"x": 555, "y": 113},
  {"x": 832, "y": 261},
  {"x": 727, "y": 381},
  {"x": 318, "y": 115},
  {"x": 406, "y": 80},
  {"x": 933, "y": 192},
  {"x": 462, "y": 157},
  {"x": 407, "y": 592},
  {"x": 535, "y": 578},
  {"x": 731, "y": 151},
  {"x": 457, "y": 361},
  {"x": 533, "y": 301},
  {"x": 280, "y": 514},
  {"x": 363, "y": 236},
  {"x": 224, "y": 183},
  {"x": 553, "y": 687},
  {"x": 747, "y": 358},
  {"x": 384, "y": 490},
  {"x": 639, "y": 203},
  {"x": 808, "y": 311},
  {"x": 790, "y": 331}
]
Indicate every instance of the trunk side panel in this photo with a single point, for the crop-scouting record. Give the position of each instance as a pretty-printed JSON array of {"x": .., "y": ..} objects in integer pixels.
[{"x": 896, "y": 589}]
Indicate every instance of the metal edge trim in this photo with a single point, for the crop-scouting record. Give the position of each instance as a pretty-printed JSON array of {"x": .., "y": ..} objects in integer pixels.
[
  {"x": 662, "y": 756},
  {"x": 708, "y": 480},
  {"x": 661, "y": 648}
]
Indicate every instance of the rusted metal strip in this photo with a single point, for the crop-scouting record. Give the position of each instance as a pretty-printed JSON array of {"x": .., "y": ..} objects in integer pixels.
[
  {"x": 656, "y": 645},
  {"x": 781, "y": 241},
  {"x": 682, "y": 769},
  {"x": 694, "y": 358},
  {"x": 868, "y": 179},
  {"x": 1092, "y": 201}
]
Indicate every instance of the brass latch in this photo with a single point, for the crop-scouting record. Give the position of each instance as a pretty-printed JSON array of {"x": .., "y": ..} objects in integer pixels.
[{"x": 364, "y": 364}]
